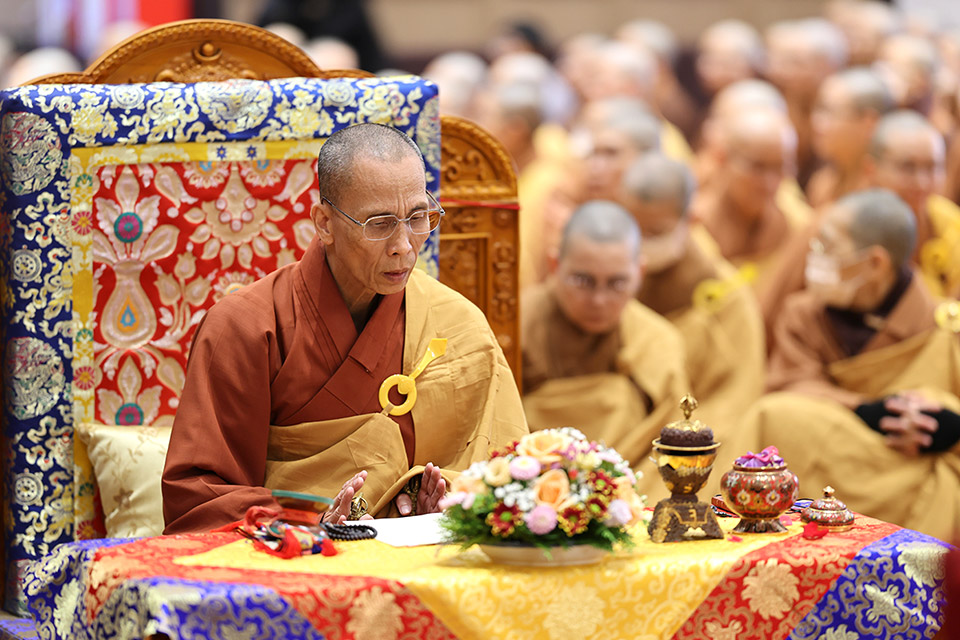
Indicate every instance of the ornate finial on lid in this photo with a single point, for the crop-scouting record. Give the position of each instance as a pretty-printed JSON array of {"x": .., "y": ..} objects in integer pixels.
[
  {"x": 687, "y": 432},
  {"x": 828, "y": 512}
]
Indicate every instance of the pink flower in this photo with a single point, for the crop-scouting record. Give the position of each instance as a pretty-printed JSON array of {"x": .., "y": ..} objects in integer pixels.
[
  {"x": 461, "y": 498},
  {"x": 452, "y": 499},
  {"x": 541, "y": 520},
  {"x": 618, "y": 514},
  {"x": 524, "y": 468}
]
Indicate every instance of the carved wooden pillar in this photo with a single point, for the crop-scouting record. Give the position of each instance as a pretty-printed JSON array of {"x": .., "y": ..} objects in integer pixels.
[{"x": 479, "y": 236}]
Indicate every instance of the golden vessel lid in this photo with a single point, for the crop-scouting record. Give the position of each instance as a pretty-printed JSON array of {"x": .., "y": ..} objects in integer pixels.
[{"x": 828, "y": 511}]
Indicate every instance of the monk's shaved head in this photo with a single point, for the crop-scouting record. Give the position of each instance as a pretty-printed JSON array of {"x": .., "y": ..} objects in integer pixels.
[
  {"x": 654, "y": 178},
  {"x": 629, "y": 117},
  {"x": 878, "y": 217},
  {"x": 604, "y": 222},
  {"x": 747, "y": 94},
  {"x": 866, "y": 89},
  {"x": 340, "y": 151},
  {"x": 755, "y": 126},
  {"x": 896, "y": 123}
]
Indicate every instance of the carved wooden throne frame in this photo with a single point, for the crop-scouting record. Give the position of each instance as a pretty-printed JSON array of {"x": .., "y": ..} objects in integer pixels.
[{"x": 479, "y": 237}]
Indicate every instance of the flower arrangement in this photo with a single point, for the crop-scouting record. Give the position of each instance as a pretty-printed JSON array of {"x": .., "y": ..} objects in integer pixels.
[{"x": 550, "y": 488}]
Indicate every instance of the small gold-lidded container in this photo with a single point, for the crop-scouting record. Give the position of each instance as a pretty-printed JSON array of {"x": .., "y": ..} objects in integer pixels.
[{"x": 828, "y": 512}]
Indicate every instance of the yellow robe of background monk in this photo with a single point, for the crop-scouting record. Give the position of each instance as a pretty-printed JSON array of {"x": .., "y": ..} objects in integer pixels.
[
  {"x": 293, "y": 389},
  {"x": 825, "y": 443},
  {"x": 632, "y": 383}
]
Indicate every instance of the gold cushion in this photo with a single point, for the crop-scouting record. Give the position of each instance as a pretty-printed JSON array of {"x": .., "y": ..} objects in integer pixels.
[{"x": 128, "y": 462}]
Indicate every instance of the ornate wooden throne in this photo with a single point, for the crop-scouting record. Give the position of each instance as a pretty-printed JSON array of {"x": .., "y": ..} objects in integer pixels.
[{"x": 47, "y": 493}]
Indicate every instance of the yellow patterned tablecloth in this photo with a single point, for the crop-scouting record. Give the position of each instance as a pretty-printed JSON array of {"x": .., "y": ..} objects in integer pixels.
[{"x": 646, "y": 593}]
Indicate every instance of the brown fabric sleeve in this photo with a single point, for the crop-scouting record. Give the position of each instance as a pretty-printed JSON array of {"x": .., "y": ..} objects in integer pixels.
[
  {"x": 214, "y": 472},
  {"x": 798, "y": 358}
]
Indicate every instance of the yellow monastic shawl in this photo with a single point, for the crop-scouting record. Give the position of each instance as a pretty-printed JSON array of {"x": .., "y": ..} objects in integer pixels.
[
  {"x": 611, "y": 407},
  {"x": 940, "y": 256},
  {"x": 467, "y": 403},
  {"x": 825, "y": 443}
]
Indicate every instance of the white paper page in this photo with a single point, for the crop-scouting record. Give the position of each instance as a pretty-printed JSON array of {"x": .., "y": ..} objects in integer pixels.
[{"x": 411, "y": 531}]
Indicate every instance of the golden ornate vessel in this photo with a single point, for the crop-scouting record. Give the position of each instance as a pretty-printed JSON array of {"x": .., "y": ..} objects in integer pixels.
[{"x": 684, "y": 453}]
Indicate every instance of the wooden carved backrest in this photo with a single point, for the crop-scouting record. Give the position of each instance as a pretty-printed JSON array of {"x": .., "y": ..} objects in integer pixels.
[{"x": 479, "y": 238}]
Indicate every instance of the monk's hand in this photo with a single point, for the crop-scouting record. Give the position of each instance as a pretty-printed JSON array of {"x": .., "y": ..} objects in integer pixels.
[
  {"x": 340, "y": 510},
  {"x": 910, "y": 432},
  {"x": 910, "y": 402},
  {"x": 432, "y": 488}
]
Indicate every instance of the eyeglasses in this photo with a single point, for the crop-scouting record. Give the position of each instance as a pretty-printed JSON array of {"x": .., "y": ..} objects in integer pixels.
[
  {"x": 818, "y": 248},
  {"x": 383, "y": 226},
  {"x": 587, "y": 284}
]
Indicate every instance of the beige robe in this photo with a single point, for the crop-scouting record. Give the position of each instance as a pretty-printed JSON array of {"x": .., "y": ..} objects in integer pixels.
[
  {"x": 627, "y": 404},
  {"x": 825, "y": 443}
]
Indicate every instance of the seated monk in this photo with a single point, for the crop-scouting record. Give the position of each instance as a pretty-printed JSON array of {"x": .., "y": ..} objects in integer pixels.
[
  {"x": 871, "y": 382},
  {"x": 849, "y": 104},
  {"x": 715, "y": 312},
  {"x": 593, "y": 357},
  {"x": 906, "y": 156},
  {"x": 285, "y": 383},
  {"x": 739, "y": 206},
  {"x": 729, "y": 103}
]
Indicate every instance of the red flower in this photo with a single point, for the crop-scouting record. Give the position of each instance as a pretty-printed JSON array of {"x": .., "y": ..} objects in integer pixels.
[
  {"x": 601, "y": 483},
  {"x": 503, "y": 519},
  {"x": 813, "y": 531},
  {"x": 506, "y": 451},
  {"x": 574, "y": 519},
  {"x": 84, "y": 377},
  {"x": 82, "y": 222}
]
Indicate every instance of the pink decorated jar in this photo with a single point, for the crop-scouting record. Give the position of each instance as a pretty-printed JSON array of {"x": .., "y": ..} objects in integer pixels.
[{"x": 759, "y": 489}]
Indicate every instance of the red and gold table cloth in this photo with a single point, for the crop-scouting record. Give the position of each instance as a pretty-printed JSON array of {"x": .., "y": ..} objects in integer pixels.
[{"x": 877, "y": 580}]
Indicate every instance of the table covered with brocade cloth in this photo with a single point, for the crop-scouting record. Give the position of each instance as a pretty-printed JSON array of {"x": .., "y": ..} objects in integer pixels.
[{"x": 876, "y": 580}]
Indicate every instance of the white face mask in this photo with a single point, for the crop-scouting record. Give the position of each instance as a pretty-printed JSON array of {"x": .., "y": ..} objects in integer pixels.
[
  {"x": 665, "y": 250},
  {"x": 822, "y": 273}
]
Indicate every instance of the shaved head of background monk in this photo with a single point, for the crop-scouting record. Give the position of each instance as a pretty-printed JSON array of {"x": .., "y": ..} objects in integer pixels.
[
  {"x": 864, "y": 243},
  {"x": 758, "y": 150},
  {"x": 292, "y": 381},
  {"x": 728, "y": 51},
  {"x": 597, "y": 269},
  {"x": 730, "y": 101},
  {"x": 907, "y": 156},
  {"x": 849, "y": 104},
  {"x": 657, "y": 191},
  {"x": 620, "y": 130}
]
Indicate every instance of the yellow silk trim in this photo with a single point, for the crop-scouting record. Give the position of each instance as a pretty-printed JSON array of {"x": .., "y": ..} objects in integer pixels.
[
  {"x": 647, "y": 593},
  {"x": 197, "y": 152}
]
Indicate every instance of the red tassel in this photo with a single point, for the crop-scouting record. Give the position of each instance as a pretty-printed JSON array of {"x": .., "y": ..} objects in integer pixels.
[{"x": 327, "y": 548}]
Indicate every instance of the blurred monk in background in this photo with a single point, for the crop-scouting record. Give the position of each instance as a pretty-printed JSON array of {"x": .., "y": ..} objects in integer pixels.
[
  {"x": 701, "y": 294},
  {"x": 869, "y": 365},
  {"x": 592, "y": 355}
]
